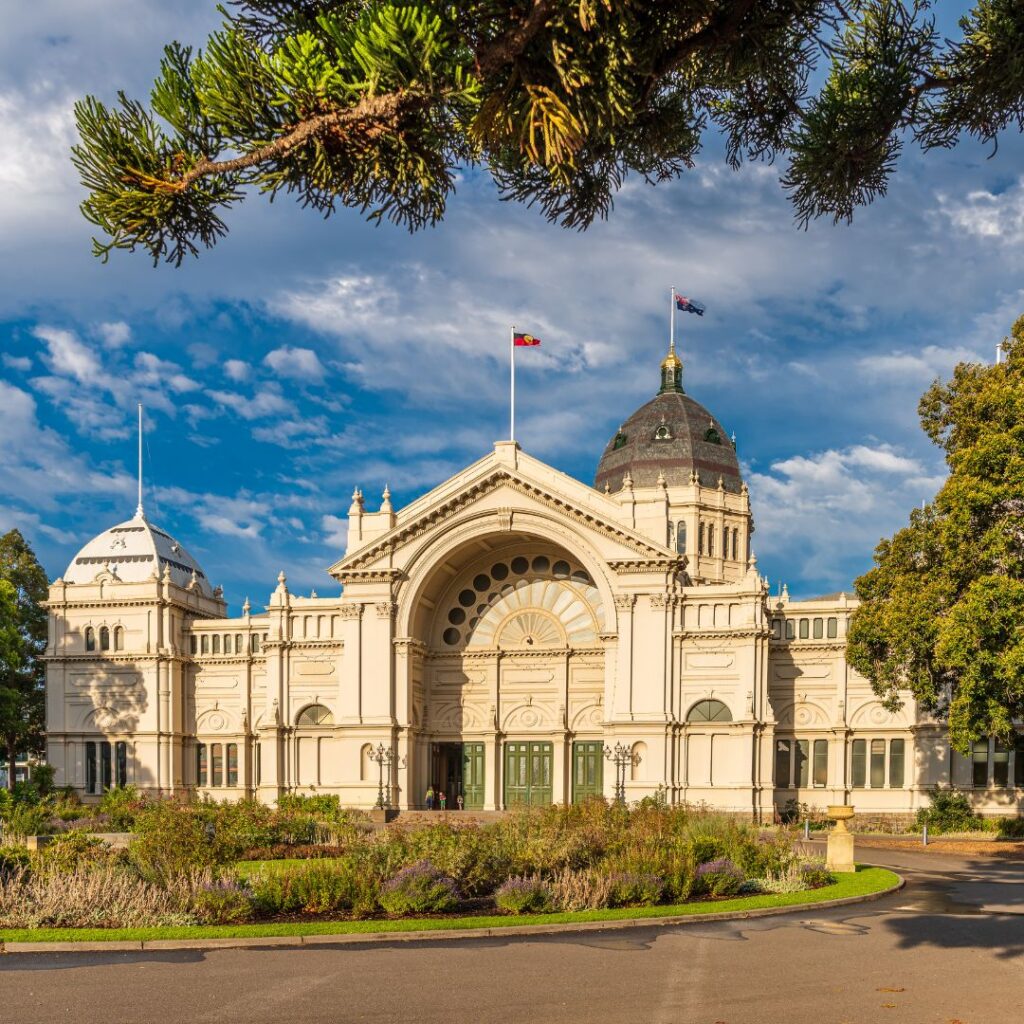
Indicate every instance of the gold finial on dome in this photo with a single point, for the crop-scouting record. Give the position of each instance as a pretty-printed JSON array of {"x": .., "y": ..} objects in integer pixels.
[{"x": 671, "y": 372}]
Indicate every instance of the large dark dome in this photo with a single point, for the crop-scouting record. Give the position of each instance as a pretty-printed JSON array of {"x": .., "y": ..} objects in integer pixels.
[{"x": 673, "y": 435}]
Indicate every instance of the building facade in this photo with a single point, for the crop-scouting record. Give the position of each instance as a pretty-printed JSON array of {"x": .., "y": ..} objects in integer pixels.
[{"x": 498, "y": 634}]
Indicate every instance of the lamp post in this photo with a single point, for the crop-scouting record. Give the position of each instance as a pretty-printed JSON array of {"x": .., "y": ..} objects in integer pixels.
[
  {"x": 385, "y": 757},
  {"x": 622, "y": 757}
]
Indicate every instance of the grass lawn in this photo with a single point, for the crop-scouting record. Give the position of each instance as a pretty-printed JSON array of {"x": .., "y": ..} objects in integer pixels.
[{"x": 864, "y": 882}]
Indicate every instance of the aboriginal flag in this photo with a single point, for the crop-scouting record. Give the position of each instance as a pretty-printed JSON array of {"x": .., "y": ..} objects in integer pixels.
[
  {"x": 688, "y": 305},
  {"x": 525, "y": 340}
]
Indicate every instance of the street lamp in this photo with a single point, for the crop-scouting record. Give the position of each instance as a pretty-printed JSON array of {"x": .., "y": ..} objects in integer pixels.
[
  {"x": 622, "y": 757},
  {"x": 385, "y": 757}
]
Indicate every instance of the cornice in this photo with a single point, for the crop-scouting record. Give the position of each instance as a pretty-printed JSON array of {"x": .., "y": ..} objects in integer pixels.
[
  {"x": 753, "y": 633},
  {"x": 805, "y": 646}
]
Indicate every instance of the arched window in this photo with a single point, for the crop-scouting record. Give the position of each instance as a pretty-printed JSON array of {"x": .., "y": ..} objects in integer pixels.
[
  {"x": 216, "y": 643},
  {"x": 254, "y": 643},
  {"x": 119, "y": 638},
  {"x": 227, "y": 643},
  {"x": 104, "y": 638},
  {"x": 709, "y": 711},
  {"x": 671, "y": 532},
  {"x": 314, "y": 715},
  {"x": 700, "y": 539},
  {"x": 735, "y": 544},
  {"x": 681, "y": 538},
  {"x": 238, "y": 644},
  {"x": 638, "y": 766},
  {"x": 90, "y": 638},
  {"x": 204, "y": 644},
  {"x": 365, "y": 764}
]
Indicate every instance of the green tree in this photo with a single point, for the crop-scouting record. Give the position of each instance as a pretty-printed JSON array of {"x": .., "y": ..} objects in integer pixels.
[
  {"x": 23, "y": 585},
  {"x": 942, "y": 612},
  {"x": 378, "y": 105}
]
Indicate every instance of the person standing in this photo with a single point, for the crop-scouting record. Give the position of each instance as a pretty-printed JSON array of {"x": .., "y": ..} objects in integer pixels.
[
  {"x": 442, "y": 798},
  {"x": 459, "y": 802},
  {"x": 430, "y": 798}
]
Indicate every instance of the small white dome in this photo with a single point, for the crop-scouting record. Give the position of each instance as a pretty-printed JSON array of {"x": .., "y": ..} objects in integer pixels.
[{"x": 134, "y": 551}]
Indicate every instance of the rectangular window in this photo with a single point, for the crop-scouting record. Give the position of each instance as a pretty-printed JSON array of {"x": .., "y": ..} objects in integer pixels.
[
  {"x": 201, "y": 773},
  {"x": 878, "y": 764},
  {"x": 232, "y": 764},
  {"x": 804, "y": 624},
  {"x": 259, "y": 763},
  {"x": 783, "y": 756},
  {"x": 216, "y": 764},
  {"x": 193, "y": 644},
  {"x": 790, "y": 629},
  {"x": 1000, "y": 765},
  {"x": 1018, "y": 756},
  {"x": 858, "y": 764},
  {"x": 121, "y": 764},
  {"x": 819, "y": 629},
  {"x": 105, "y": 767},
  {"x": 896, "y": 762},
  {"x": 776, "y": 629},
  {"x": 90, "y": 767},
  {"x": 979, "y": 757},
  {"x": 820, "y": 763},
  {"x": 833, "y": 628},
  {"x": 802, "y": 762}
]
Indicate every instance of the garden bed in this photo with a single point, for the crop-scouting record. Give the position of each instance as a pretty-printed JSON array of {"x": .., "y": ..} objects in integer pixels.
[{"x": 865, "y": 883}]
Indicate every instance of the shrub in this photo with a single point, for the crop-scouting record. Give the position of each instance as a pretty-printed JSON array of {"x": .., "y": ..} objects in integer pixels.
[
  {"x": 122, "y": 805},
  {"x": 102, "y": 896},
  {"x": 1011, "y": 828},
  {"x": 320, "y": 804},
  {"x": 171, "y": 839},
  {"x": 629, "y": 889},
  {"x": 718, "y": 878},
  {"x": 704, "y": 849},
  {"x": 419, "y": 888},
  {"x": 950, "y": 811},
  {"x": 13, "y": 860},
  {"x": 522, "y": 895},
  {"x": 580, "y": 890},
  {"x": 24, "y": 819},
  {"x": 816, "y": 875},
  {"x": 221, "y": 901},
  {"x": 69, "y": 850}
]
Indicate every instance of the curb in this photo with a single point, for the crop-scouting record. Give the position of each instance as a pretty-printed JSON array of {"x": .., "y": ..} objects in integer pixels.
[{"x": 435, "y": 934}]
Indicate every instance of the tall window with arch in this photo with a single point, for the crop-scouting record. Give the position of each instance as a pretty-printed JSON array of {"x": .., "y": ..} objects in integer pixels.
[
  {"x": 711, "y": 538},
  {"x": 119, "y": 638},
  {"x": 700, "y": 539},
  {"x": 90, "y": 638},
  {"x": 104, "y": 638},
  {"x": 681, "y": 538}
]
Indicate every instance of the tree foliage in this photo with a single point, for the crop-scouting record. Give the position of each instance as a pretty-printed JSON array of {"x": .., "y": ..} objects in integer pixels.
[
  {"x": 23, "y": 585},
  {"x": 942, "y": 611},
  {"x": 377, "y": 106}
]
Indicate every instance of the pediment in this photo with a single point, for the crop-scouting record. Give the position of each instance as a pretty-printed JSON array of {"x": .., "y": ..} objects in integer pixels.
[{"x": 530, "y": 485}]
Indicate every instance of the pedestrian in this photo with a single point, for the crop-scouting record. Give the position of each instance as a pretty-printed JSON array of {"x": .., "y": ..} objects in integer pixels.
[
  {"x": 442, "y": 798},
  {"x": 459, "y": 802},
  {"x": 430, "y": 798}
]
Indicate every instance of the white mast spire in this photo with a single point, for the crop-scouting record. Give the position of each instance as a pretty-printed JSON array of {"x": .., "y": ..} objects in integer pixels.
[{"x": 139, "y": 514}]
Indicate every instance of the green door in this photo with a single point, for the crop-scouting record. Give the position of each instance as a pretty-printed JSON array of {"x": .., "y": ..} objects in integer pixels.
[
  {"x": 587, "y": 770},
  {"x": 473, "y": 775},
  {"x": 528, "y": 774}
]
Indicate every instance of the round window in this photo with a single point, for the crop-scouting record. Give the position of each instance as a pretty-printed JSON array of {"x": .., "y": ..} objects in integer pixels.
[
  {"x": 561, "y": 570},
  {"x": 467, "y": 598},
  {"x": 456, "y": 616},
  {"x": 450, "y": 636},
  {"x": 541, "y": 564},
  {"x": 481, "y": 582},
  {"x": 520, "y": 565},
  {"x": 499, "y": 571},
  {"x": 579, "y": 576}
]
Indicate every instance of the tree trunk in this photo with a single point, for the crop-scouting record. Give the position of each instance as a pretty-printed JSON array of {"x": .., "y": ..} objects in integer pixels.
[{"x": 12, "y": 755}]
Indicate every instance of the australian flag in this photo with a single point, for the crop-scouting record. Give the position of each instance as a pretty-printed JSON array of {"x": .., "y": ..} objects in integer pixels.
[{"x": 689, "y": 306}]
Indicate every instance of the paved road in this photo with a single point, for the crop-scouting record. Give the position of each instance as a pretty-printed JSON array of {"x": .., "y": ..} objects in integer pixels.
[{"x": 949, "y": 949}]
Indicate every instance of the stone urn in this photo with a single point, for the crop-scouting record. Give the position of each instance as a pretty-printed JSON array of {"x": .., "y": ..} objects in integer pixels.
[
  {"x": 840, "y": 814},
  {"x": 839, "y": 856}
]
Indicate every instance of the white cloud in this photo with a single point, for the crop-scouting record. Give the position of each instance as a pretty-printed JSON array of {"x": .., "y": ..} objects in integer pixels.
[
  {"x": 236, "y": 370},
  {"x": 69, "y": 356},
  {"x": 17, "y": 362},
  {"x": 988, "y": 215},
  {"x": 335, "y": 531},
  {"x": 268, "y": 401},
  {"x": 918, "y": 367},
  {"x": 115, "y": 334},
  {"x": 295, "y": 363}
]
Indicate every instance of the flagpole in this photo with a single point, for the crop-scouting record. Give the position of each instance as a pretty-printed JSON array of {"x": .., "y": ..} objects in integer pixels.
[
  {"x": 512, "y": 382},
  {"x": 672, "y": 319}
]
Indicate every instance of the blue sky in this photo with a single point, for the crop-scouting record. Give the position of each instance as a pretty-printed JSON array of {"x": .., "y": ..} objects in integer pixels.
[{"x": 303, "y": 357}]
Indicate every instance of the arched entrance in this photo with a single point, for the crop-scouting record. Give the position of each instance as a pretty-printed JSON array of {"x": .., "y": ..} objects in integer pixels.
[{"x": 507, "y": 685}]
